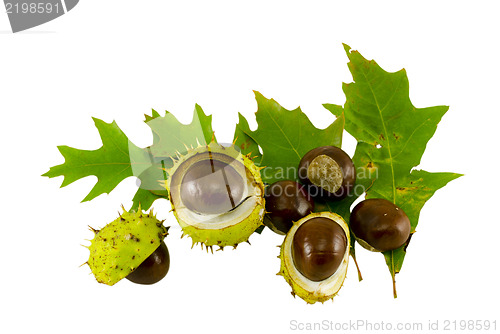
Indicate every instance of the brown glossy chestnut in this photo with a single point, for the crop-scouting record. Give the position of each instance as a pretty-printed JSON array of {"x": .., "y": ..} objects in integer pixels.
[
  {"x": 379, "y": 225},
  {"x": 318, "y": 248},
  {"x": 328, "y": 172},
  {"x": 153, "y": 269},
  {"x": 211, "y": 187},
  {"x": 286, "y": 202}
]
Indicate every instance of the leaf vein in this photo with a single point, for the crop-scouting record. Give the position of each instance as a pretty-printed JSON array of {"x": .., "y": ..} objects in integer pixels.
[
  {"x": 284, "y": 134},
  {"x": 386, "y": 136}
]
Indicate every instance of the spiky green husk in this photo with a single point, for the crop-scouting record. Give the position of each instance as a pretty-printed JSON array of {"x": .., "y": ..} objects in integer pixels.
[
  {"x": 312, "y": 292},
  {"x": 122, "y": 245},
  {"x": 230, "y": 234}
]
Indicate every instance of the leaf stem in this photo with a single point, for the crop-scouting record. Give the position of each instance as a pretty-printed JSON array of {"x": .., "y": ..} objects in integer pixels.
[
  {"x": 360, "y": 278},
  {"x": 393, "y": 274}
]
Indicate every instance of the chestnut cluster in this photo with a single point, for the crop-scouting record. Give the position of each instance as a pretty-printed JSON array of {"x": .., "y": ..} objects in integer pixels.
[
  {"x": 328, "y": 173},
  {"x": 325, "y": 173},
  {"x": 319, "y": 244}
]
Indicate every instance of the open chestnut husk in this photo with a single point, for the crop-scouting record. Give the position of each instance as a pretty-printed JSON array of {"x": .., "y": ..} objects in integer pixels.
[
  {"x": 328, "y": 172},
  {"x": 217, "y": 195},
  {"x": 286, "y": 202},
  {"x": 379, "y": 225},
  {"x": 314, "y": 256},
  {"x": 153, "y": 269}
]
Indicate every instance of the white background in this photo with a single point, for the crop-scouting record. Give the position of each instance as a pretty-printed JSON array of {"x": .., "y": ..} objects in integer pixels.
[{"x": 115, "y": 60}]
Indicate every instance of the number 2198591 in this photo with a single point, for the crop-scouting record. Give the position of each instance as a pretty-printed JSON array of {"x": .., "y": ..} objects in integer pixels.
[{"x": 32, "y": 8}]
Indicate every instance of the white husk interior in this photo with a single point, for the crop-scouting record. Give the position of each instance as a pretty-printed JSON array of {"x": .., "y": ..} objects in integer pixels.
[
  {"x": 219, "y": 221},
  {"x": 333, "y": 283}
]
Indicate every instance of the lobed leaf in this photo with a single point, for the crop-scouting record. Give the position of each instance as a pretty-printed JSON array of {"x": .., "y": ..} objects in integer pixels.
[
  {"x": 170, "y": 137},
  {"x": 119, "y": 158},
  {"x": 111, "y": 163},
  {"x": 245, "y": 142},
  {"x": 392, "y": 135},
  {"x": 284, "y": 137}
]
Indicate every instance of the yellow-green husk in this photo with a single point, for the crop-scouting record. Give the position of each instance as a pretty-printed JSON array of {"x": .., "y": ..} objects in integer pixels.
[
  {"x": 235, "y": 231},
  {"x": 122, "y": 245},
  {"x": 312, "y": 292}
]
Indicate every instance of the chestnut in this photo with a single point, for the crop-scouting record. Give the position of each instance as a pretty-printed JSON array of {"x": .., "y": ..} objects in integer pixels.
[
  {"x": 379, "y": 225},
  {"x": 328, "y": 172},
  {"x": 318, "y": 248},
  {"x": 153, "y": 269},
  {"x": 211, "y": 186},
  {"x": 286, "y": 202}
]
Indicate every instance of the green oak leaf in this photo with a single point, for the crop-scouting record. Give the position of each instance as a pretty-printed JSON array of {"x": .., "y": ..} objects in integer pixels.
[
  {"x": 145, "y": 198},
  {"x": 245, "y": 142},
  {"x": 392, "y": 135},
  {"x": 284, "y": 136},
  {"x": 117, "y": 159},
  {"x": 170, "y": 137}
]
